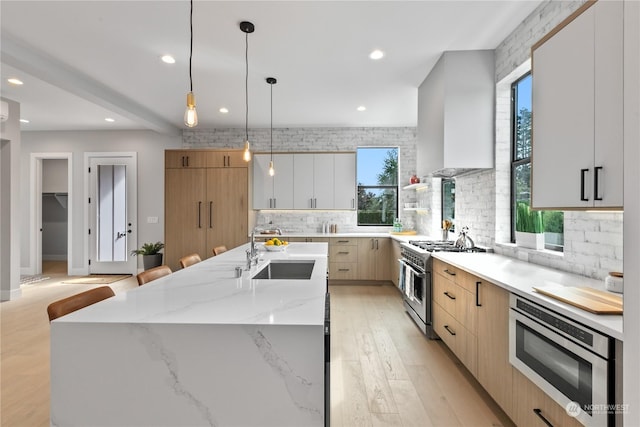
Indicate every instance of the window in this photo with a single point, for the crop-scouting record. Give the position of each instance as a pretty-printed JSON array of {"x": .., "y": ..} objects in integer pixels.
[
  {"x": 449, "y": 201},
  {"x": 377, "y": 185},
  {"x": 521, "y": 164}
]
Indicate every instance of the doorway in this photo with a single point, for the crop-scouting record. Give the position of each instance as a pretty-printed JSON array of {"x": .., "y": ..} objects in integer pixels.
[
  {"x": 50, "y": 233},
  {"x": 112, "y": 213}
]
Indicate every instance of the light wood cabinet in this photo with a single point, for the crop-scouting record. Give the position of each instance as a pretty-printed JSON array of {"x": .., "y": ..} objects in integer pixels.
[
  {"x": 531, "y": 406},
  {"x": 394, "y": 265},
  {"x": 273, "y": 192},
  {"x": 373, "y": 258},
  {"x": 204, "y": 207},
  {"x": 577, "y": 145},
  {"x": 180, "y": 159},
  {"x": 456, "y": 303},
  {"x": 226, "y": 159},
  {"x": 494, "y": 369},
  {"x": 343, "y": 258}
]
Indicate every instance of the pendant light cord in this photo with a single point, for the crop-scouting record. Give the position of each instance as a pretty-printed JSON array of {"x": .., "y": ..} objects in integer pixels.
[
  {"x": 271, "y": 121},
  {"x": 191, "y": 46},
  {"x": 246, "y": 87}
]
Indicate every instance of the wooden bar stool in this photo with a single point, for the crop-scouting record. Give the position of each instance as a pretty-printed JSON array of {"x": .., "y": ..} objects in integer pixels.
[
  {"x": 219, "y": 249},
  {"x": 76, "y": 302},
  {"x": 188, "y": 260},
  {"x": 153, "y": 274}
]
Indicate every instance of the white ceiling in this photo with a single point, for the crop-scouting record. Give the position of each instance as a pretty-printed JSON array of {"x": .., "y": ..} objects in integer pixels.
[{"x": 82, "y": 61}]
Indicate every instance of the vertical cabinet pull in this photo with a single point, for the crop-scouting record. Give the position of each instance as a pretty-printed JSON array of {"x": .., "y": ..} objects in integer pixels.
[
  {"x": 538, "y": 412},
  {"x": 183, "y": 165},
  {"x": 187, "y": 157},
  {"x": 372, "y": 244},
  {"x": 275, "y": 202},
  {"x": 210, "y": 214},
  {"x": 583, "y": 198},
  {"x": 353, "y": 203},
  {"x": 199, "y": 216},
  {"x": 377, "y": 247},
  {"x": 596, "y": 178},
  {"x": 478, "y": 294}
]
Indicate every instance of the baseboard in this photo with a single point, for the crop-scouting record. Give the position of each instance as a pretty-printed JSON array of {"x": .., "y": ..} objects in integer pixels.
[
  {"x": 10, "y": 295},
  {"x": 27, "y": 271},
  {"x": 78, "y": 271}
]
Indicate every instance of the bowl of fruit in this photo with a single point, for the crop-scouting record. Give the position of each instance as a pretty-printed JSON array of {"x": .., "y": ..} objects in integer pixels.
[{"x": 275, "y": 245}]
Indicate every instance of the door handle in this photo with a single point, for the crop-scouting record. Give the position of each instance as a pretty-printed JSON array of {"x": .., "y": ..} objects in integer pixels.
[
  {"x": 210, "y": 214},
  {"x": 596, "y": 177},
  {"x": 478, "y": 294},
  {"x": 582, "y": 197},
  {"x": 199, "y": 219}
]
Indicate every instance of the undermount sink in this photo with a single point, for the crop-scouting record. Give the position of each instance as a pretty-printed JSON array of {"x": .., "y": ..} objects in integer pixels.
[{"x": 286, "y": 269}]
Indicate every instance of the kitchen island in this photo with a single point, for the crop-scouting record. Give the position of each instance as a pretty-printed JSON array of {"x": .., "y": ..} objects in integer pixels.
[{"x": 198, "y": 347}]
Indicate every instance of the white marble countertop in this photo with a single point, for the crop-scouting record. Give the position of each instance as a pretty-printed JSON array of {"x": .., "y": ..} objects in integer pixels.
[
  {"x": 520, "y": 277},
  {"x": 209, "y": 293},
  {"x": 364, "y": 234}
]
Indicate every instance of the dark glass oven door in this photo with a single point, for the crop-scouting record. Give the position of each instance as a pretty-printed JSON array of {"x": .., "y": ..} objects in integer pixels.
[{"x": 564, "y": 370}]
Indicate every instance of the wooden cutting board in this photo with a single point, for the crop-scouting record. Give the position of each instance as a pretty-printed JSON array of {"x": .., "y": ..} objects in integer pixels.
[
  {"x": 405, "y": 233},
  {"x": 589, "y": 299}
]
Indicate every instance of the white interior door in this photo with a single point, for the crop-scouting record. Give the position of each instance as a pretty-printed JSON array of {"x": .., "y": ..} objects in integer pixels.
[{"x": 112, "y": 215}]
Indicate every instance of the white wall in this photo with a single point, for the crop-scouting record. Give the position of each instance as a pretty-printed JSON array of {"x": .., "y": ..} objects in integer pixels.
[
  {"x": 54, "y": 176},
  {"x": 9, "y": 204},
  {"x": 150, "y": 147}
]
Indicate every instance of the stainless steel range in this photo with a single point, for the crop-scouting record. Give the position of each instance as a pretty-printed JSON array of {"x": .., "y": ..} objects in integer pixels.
[{"x": 415, "y": 278}]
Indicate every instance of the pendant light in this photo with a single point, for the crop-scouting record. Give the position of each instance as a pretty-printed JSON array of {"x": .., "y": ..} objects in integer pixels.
[
  {"x": 247, "y": 28},
  {"x": 271, "y": 81},
  {"x": 190, "y": 115}
]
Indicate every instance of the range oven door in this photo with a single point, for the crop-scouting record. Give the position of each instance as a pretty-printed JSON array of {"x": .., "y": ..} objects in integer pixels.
[
  {"x": 416, "y": 293},
  {"x": 564, "y": 370}
]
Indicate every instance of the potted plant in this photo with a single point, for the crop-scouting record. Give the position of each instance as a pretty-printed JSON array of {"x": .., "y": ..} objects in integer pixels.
[
  {"x": 151, "y": 256},
  {"x": 529, "y": 227}
]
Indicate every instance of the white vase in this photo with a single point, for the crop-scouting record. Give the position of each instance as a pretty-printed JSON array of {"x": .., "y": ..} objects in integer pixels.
[{"x": 530, "y": 240}]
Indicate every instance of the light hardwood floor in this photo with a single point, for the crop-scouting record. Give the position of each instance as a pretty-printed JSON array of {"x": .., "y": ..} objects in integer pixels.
[{"x": 384, "y": 371}]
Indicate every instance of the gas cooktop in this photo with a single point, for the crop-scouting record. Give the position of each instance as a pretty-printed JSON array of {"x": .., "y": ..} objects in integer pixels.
[{"x": 442, "y": 246}]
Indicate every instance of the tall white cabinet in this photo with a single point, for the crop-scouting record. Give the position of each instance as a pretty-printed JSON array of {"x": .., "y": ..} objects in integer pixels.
[
  {"x": 305, "y": 181},
  {"x": 578, "y": 111}
]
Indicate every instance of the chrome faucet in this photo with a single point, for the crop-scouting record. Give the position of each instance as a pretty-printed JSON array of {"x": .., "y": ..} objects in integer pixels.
[{"x": 252, "y": 252}]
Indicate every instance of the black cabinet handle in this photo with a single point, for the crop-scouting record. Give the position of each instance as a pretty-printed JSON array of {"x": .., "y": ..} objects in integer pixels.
[
  {"x": 538, "y": 412},
  {"x": 343, "y": 269},
  {"x": 343, "y": 241},
  {"x": 183, "y": 164},
  {"x": 343, "y": 253},
  {"x": 449, "y": 295},
  {"x": 451, "y": 332},
  {"x": 199, "y": 219},
  {"x": 377, "y": 247},
  {"x": 582, "y": 197},
  {"x": 187, "y": 157},
  {"x": 210, "y": 214},
  {"x": 596, "y": 177},
  {"x": 478, "y": 294},
  {"x": 446, "y": 270},
  {"x": 372, "y": 244}
]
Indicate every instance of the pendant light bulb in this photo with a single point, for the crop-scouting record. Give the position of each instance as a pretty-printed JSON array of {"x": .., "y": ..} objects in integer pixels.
[
  {"x": 272, "y": 171},
  {"x": 247, "y": 152},
  {"x": 191, "y": 115}
]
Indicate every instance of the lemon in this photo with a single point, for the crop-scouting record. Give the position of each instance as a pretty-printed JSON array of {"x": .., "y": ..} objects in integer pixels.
[{"x": 268, "y": 243}]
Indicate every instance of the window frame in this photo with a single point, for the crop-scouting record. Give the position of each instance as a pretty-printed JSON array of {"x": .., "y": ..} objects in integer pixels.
[
  {"x": 515, "y": 163},
  {"x": 394, "y": 187},
  {"x": 442, "y": 217}
]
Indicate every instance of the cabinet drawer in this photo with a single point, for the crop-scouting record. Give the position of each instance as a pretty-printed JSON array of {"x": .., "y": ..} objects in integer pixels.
[
  {"x": 446, "y": 327},
  {"x": 449, "y": 295},
  {"x": 342, "y": 271},
  {"x": 343, "y": 253},
  {"x": 446, "y": 270},
  {"x": 184, "y": 159},
  {"x": 343, "y": 241}
]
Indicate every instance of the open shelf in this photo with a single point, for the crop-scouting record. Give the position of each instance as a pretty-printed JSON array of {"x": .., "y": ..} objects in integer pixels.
[{"x": 415, "y": 186}]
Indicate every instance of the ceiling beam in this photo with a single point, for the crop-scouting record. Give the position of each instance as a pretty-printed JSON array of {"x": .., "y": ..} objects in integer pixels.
[{"x": 43, "y": 66}]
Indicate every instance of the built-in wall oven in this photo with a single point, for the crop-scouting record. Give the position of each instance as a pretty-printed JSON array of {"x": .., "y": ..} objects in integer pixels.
[{"x": 573, "y": 364}]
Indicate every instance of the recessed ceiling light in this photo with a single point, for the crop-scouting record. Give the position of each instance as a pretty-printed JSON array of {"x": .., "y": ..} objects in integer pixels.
[
  {"x": 376, "y": 54},
  {"x": 168, "y": 59},
  {"x": 109, "y": 119},
  {"x": 361, "y": 108},
  {"x": 24, "y": 121},
  {"x": 224, "y": 110},
  {"x": 15, "y": 81}
]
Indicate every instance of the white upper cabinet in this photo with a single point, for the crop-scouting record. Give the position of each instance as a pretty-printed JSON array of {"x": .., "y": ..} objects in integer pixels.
[
  {"x": 305, "y": 181},
  {"x": 456, "y": 104},
  {"x": 344, "y": 186},
  {"x": 273, "y": 192},
  {"x": 577, "y": 155}
]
